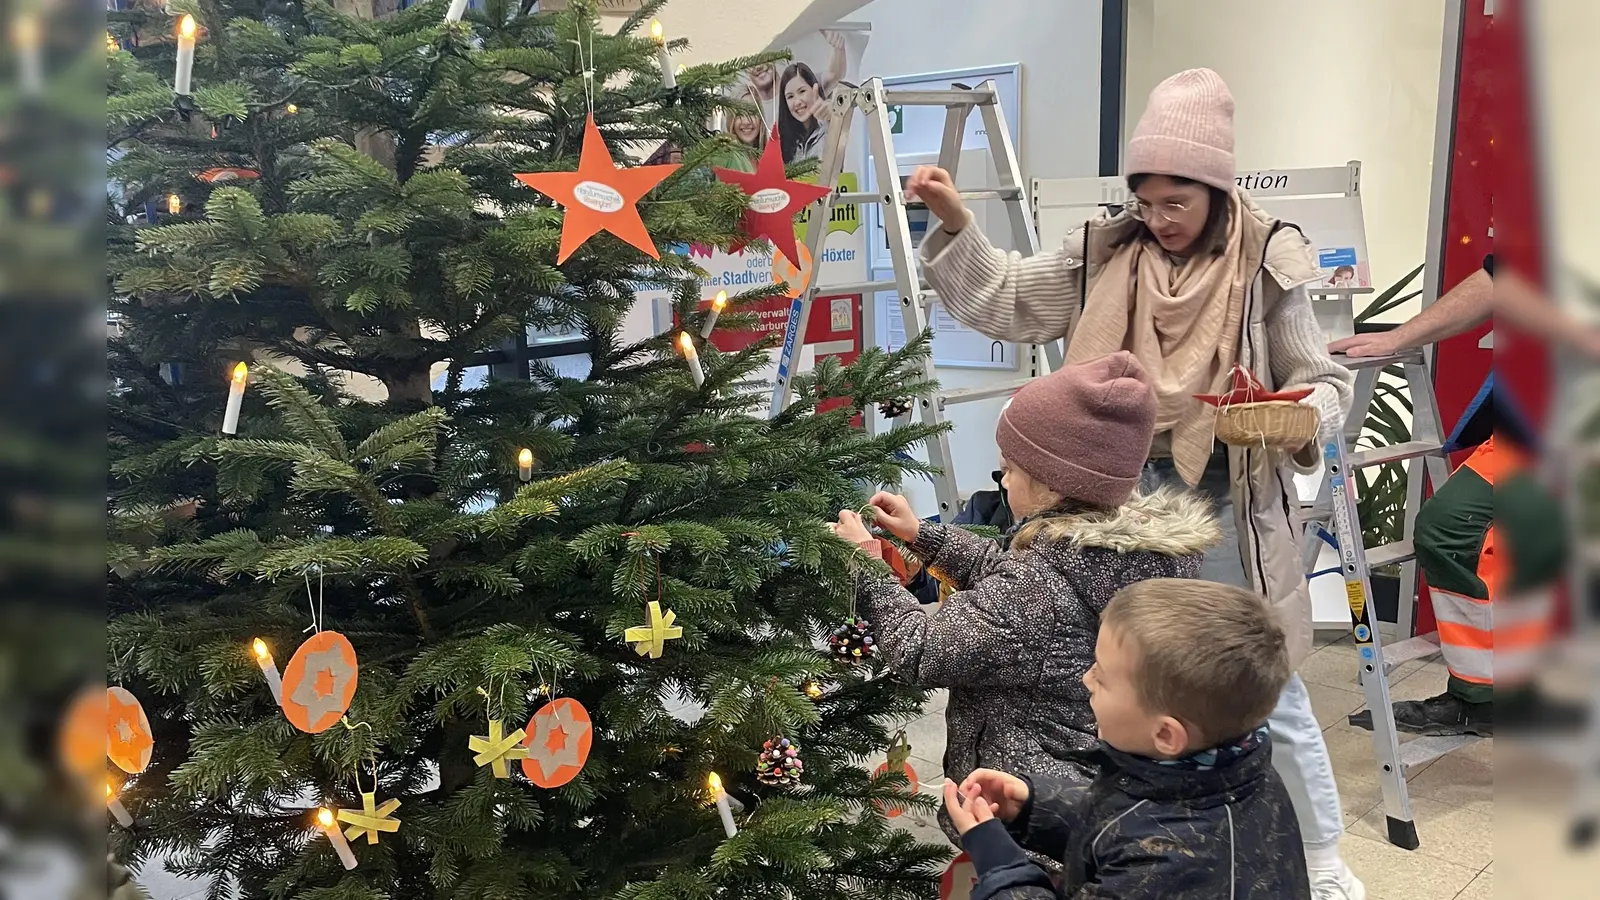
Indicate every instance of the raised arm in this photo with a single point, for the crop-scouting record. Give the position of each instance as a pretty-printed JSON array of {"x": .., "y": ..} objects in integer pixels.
[{"x": 1002, "y": 295}]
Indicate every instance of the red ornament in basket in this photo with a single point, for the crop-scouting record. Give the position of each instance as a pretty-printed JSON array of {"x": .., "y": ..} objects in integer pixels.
[{"x": 1249, "y": 415}]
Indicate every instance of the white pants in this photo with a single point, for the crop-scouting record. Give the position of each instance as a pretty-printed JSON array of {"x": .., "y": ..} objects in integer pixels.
[{"x": 1298, "y": 751}]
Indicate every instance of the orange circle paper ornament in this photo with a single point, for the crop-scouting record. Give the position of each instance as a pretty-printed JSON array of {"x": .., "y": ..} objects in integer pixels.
[
  {"x": 899, "y": 760},
  {"x": 129, "y": 740},
  {"x": 82, "y": 739},
  {"x": 558, "y": 741},
  {"x": 797, "y": 277},
  {"x": 959, "y": 879},
  {"x": 320, "y": 682}
]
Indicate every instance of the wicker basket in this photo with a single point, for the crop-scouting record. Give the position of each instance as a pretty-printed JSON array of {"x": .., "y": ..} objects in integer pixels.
[{"x": 1282, "y": 424}]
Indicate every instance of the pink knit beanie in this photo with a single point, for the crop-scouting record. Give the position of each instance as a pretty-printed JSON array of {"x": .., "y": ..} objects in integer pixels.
[
  {"x": 1186, "y": 130},
  {"x": 1083, "y": 431}
]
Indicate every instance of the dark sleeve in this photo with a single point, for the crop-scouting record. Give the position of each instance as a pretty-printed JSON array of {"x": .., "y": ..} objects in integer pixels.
[
  {"x": 1055, "y": 807},
  {"x": 1004, "y": 872},
  {"x": 1488, "y": 264},
  {"x": 988, "y": 636},
  {"x": 957, "y": 553}
]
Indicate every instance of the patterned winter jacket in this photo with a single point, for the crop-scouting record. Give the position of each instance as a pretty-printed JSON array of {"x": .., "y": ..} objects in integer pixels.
[
  {"x": 1146, "y": 831},
  {"x": 1015, "y": 639}
]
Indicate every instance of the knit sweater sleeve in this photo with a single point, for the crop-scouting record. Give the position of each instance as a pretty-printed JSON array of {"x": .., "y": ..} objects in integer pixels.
[
  {"x": 1005, "y": 295},
  {"x": 1299, "y": 358}
]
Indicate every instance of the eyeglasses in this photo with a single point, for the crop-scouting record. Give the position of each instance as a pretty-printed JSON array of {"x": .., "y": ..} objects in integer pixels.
[{"x": 1171, "y": 210}]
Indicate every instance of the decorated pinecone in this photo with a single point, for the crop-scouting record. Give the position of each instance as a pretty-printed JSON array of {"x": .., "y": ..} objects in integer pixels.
[
  {"x": 853, "y": 642},
  {"x": 894, "y": 409},
  {"x": 780, "y": 762}
]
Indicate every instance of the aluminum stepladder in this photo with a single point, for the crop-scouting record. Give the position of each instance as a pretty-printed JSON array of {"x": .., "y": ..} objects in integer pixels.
[
  {"x": 874, "y": 100},
  {"x": 1425, "y": 462}
]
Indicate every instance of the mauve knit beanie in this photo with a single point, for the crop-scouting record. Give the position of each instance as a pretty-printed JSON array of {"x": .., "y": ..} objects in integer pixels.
[
  {"x": 1186, "y": 130},
  {"x": 1083, "y": 431}
]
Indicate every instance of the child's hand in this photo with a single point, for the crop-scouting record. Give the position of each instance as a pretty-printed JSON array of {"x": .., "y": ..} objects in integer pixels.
[
  {"x": 1005, "y": 795},
  {"x": 895, "y": 516},
  {"x": 967, "y": 808},
  {"x": 851, "y": 528}
]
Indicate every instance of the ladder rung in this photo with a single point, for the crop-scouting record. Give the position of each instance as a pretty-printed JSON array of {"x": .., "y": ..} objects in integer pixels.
[
  {"x": 965, "y": 395},
  {"x": 1377, "y": 456},
  {"x": 1378, "y": 362},
  {"x": 1391, "y": 554},
  {"x": 938, "y": 98},
  {"x": 1428, "y": 748},
  {"x": 858, "y": 197},
  {"x": 1401, "y": 652},
  {"x": 993, "y": 194},
  {"x": 864, "y": 287}
]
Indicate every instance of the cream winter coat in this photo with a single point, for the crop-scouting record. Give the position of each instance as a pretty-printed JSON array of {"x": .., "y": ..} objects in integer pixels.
[{"x": 1036, "y": 299}]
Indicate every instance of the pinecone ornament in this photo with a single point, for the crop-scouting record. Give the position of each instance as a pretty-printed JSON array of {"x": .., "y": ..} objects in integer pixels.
[
  {"x": 780, "y": 762},
  {"x": 854, "y": 641},
  {"x": 894, "y": 409}
]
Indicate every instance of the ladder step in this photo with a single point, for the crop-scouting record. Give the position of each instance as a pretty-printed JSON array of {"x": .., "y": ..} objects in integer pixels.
[
  {"x": 1377, "y": 456},
  {"x": 1402, "y": 652},
  {"x": 863, "y": 287},
  {"x": 1428, "y": 748},
  {"x": 1378, "y": 362},
  {"x": 966, "y": 395},
  {"x": 938, "y": 98},
  {"x": 1391, "y": 554},
  {"x": 993, "y": 194}
]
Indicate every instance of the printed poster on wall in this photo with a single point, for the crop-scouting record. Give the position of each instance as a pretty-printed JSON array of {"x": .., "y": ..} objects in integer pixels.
[{"x": 793, "y": 96}]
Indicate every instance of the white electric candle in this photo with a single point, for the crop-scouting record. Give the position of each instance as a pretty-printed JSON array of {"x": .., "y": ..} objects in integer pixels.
[
  {"x": 25, "y": 34},
  {"x": 187, "y": 30},
  {"x": 525, "y": 464},
  {"x": 174, "y": 204},
  {"x": 723, "y": 810},
  {"x": 663, "y": 58},
  {"x": 716, "y": 310},
  {"x": 118, "y": 811},
  {"x": 693, "y": 358},
  {"x": 457, "y": 9},
  {"x": 330, "y": 827},
  {"x": 269, "y": 668},
  {"x": 230, "y": 416}
]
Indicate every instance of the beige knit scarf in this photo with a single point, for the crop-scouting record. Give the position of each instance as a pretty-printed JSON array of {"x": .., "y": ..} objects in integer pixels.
[{"x": 1183, "y": 323}]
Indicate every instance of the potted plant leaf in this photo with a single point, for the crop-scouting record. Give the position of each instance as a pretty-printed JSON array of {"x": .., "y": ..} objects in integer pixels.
[{"x": 1381, "y": 495}]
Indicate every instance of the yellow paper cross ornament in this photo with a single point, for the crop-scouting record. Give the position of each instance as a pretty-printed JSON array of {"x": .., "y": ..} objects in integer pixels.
[
  {"x": 371, "y": 819},
  {"x": 498, "y": 748},
  {"x": 650, "y": 640}
]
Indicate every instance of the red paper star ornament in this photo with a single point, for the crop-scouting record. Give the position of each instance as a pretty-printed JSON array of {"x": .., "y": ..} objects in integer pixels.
[
  {"x": 599, "y": 196},
  {"x": 774, "y": 200}
]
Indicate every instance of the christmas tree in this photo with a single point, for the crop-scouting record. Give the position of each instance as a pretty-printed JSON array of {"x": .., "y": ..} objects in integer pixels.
[{"x": 638, "y": 558}]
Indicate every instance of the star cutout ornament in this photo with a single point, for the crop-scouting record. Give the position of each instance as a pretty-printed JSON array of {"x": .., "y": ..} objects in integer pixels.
[
  {"x": 319, "y": 682},
  {"x": 599, "y": 196},
  {"x": 774, "y": 200},
  {"x": 129, "y": 741},
  {"x": 498, "y": 748},
  {"x": 371, "y": 819},
  {"x": 650, "y": 639},
  {"x": 557, "y": 744}
]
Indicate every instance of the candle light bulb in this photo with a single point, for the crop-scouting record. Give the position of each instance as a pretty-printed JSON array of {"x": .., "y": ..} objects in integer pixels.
[
  {"x": 240, "y": 373},
  {"x": 183, "y": 77},
  {"x": 657, "y": 33},
  {"x": 187, "y": 26},
  {"x": 25, "y": 31},
  {"x": 291, "y": 109},
  {"x": 681, "y": 68},
  {"x": 269, "y": 669},
  {"x": 813, "y": 690},
  {"x": 330, "y": 827},
  {"x": 260, "y": 647},
  {"x": 230, "y": 415},
  {"x": 714, "y": 780},
  {"x": 724, "y": 809},
  {"x": 525, "y": 464},
  {"x": 112, "y": 45},
  {"x": 716, "y": 310},
  {"x": 686, "y": 342},
  {"x": 325, "y": 818},
  {"x": 663, "y": 59},
  {"x": 174, "y": 204}
]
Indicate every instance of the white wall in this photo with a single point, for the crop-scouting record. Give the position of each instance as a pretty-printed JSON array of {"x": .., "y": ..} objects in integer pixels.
[
  {"x": 1057, "y": 42},
  {"x": 1316, "y": 84}
]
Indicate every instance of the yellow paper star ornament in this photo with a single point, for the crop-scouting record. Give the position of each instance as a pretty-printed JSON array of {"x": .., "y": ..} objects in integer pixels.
[
  {"x": 498, "y": 748},
  {"x": 650, "y": 639},
  {"x": 371, "y": 818}
]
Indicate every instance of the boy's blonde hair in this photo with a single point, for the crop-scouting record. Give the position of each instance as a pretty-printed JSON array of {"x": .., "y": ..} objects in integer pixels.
[{"x": 1210, "y": 655}]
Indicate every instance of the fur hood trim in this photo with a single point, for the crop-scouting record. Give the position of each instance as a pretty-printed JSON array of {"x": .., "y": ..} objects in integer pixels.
[{"x": 1169, "y": 522}]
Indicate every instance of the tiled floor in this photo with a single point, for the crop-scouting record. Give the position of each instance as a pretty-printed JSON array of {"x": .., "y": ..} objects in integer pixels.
[{"x": 1452, "y": 797}]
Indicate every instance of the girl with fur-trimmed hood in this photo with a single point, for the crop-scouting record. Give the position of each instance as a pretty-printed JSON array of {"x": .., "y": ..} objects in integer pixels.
[{"x": 1015, "y": 639}]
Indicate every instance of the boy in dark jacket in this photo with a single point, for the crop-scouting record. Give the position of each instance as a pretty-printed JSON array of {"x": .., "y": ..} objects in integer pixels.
[{"x": 1186, "y": 805}]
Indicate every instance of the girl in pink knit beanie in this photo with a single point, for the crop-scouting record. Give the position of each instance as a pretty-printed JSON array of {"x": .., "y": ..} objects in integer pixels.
[{"x": 1013, "y": 642}]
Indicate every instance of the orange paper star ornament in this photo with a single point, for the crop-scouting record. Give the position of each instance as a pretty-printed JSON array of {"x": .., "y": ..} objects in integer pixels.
[{"x": 599, "y": 196}]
